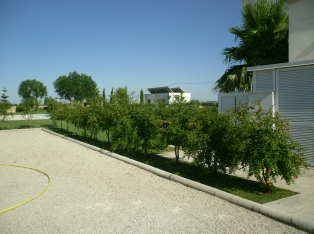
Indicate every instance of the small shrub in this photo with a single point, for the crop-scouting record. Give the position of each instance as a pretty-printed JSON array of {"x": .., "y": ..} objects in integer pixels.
[
  {"x": 265, "y": 146},
  {"x": 19, "y": 108}
]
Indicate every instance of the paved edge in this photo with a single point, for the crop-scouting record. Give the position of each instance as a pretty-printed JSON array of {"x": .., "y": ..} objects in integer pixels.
[{"x": 247, "y": 204}]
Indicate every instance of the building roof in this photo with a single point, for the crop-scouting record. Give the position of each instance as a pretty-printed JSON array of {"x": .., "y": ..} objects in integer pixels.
[{"x": 165, "y": 89}]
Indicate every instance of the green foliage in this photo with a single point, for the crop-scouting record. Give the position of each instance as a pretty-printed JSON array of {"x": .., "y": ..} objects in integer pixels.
[
  {"x": 145, "y": 123},
  {"x": 195, "y": 102},
  {"x": 209, "y": 139},
  {"x": 19, "y": 108},
  {"x": 29, "y": 105},
  {"x": 32, "y": 89},
  {"x": 5, "y": 105},
  {"x": 255, "y": 140},
  {"x": 265, "y": 146},
  {"x": 262, "y": 39},
  {"x": 141, "y": 96},
  {"x": 177, "y": 119},
  {"x": 104, "y": 93},
  {"x": 75, "y": 86},
  {"x": 4, "y": 97},
  {"x": 51, "y": 104},
  {"x": 122, "y": 97}
]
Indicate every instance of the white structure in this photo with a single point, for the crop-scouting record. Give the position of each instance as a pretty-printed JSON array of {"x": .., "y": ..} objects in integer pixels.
[
  {"x": 301, "y": 30},
  {"x": 288, "y": 87},
  {"x": 165, "y": 94}
]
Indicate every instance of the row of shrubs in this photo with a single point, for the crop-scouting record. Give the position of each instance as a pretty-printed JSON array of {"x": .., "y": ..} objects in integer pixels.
[{"x": 247, "y": 138}]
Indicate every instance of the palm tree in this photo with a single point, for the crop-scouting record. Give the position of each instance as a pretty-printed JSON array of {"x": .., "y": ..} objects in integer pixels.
[{"x": 263, "y": 39}]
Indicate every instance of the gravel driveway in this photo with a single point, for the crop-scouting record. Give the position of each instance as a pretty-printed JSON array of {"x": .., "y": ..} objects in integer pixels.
[{"x": 94, "y": 193}]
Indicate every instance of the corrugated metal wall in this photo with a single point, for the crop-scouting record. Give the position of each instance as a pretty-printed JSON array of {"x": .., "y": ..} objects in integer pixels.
[{"x": 296, "y": 103}]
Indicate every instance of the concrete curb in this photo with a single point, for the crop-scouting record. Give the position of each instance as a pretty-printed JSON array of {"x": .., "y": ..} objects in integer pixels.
[{"x": 250, "y": 205}]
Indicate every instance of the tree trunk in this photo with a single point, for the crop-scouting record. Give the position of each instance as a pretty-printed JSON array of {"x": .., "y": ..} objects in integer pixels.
[
  {"x": 108, "y": 138},
  {"x": 177, "y": 153},
  {"x": 215, "y": 164}
]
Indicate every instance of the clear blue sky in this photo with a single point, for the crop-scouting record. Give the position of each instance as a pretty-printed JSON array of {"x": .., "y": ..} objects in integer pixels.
[{"x": 135, "y": 43}]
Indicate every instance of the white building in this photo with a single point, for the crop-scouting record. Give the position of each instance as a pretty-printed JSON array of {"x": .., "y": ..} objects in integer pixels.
[
  {"x": 301, "y": 30},
  {"x": 165, "y": 94},
  {"x": 288, "y": 87}
]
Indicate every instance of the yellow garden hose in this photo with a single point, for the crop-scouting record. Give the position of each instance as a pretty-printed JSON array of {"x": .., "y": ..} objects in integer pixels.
[{"x": 32, "y": 198}]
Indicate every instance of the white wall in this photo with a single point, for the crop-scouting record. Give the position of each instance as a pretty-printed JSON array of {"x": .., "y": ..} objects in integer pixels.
[
  {"x": 153, "y": 97},
  {"x": 301, "y": 30}
]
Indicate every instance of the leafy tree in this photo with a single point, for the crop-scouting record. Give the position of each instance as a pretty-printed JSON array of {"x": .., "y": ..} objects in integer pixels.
[
  {"x": 141, "y": 96},
  {"x": 121, "y": 96},
  {"x": 4, "y": 97},
  {"x": 146, "y": 125},
  {"x": 208, "y": 141},
  {"x": 263, "y": 141},
  {"x": 104, "y": 93},
  {"x": 111, "y": 94},
  {"x": 32, "y": 89},
  {"x": 263, "y": 39},
  {"x": 5, "y": 105},
  {"x": 195, "y": 102},
  {"x": 107, "y": 113},
  {"x": 29, "y": 105},
  {"x": 123, "y": 135},
  {"x": 75, "y": 86},
  {"x": 176, "y": 123},
  {"x": 51, "y": 103}
]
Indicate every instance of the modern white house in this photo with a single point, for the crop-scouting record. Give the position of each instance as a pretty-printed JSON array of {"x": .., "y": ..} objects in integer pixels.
[
  {"x": 166, "y": 94},
  {"x": 288, "y": 87}
]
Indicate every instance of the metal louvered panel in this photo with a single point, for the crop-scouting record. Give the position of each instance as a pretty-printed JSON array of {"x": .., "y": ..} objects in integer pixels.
[
  {"x": 227, "y": 102},
  {"x": 305, "y": 137},
  {"x": 300, "y": 116},
  {"x": 296, "y": 94},
  {"x": 243, "y": 99},
  {"x": 264, "y": 80}
]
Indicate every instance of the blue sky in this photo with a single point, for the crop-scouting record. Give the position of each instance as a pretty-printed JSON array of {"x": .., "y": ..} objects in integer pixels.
[{"x": 135, "y": 43}]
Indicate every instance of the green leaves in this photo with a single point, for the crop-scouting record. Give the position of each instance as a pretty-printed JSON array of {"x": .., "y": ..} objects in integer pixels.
[
  {"x": 247, "y": 137},
  {"x": 75, "y": 86},
  {"x": 262, "y": 39},
  {"x": 5, "y": 105},
  {"x": 265, "y": 146},
  {"x": 32, "y": 89},
  {"x": 29, "y": 106}
]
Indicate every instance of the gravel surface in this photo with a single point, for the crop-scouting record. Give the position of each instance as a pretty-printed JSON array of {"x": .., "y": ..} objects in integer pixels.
[{"x": 94, "y": 193}]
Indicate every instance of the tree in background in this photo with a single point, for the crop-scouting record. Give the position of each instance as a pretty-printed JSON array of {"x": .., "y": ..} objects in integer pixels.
[
  {"x": 195, "y": 102},
  {"x": 141, "y": 96},
  {"x": 122, "y": 97},
  {"x": 29, "y": 105},
  {"x": 32, "y": 89},
  {"x": 263, "y": 39},
  {"x": 5, "y": 105},
  {"x": 75, "y": 86},
  {"x": 4, "y": 97},
  {"x": 104, "y": 93}
]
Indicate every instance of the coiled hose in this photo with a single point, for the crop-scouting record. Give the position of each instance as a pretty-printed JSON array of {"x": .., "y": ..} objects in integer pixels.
[{"x": 32, "y": 198}]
